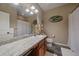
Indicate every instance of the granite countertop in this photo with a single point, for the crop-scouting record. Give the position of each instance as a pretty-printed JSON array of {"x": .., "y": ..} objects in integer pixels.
[{"x": 18, "y": 47}]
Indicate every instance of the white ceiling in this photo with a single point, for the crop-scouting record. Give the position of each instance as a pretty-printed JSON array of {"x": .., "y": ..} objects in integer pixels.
[
  {"x": 21, "y": 7},
  {"x": 40, "y": 6},
  {"x": 48, "y": 6}
]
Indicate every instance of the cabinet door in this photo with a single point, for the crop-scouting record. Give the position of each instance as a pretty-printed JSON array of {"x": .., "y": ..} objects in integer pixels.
[
  {"x": 41, "y": 52},
  {"x": 42, "y": 49}
]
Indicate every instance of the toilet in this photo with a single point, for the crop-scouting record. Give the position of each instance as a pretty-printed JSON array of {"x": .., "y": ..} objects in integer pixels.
[
  {"x": 49, "y": 42},
  {"x": 52, "y": 47}
]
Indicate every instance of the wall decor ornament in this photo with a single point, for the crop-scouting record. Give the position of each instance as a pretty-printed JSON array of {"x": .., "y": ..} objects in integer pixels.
[{"x": 55, "y": 19}]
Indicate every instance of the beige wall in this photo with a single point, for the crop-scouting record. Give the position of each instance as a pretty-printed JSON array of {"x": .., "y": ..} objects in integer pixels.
[{"x": 60, "y": 29}]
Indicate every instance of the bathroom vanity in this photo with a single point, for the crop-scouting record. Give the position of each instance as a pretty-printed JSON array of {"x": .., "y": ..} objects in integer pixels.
[
  {"x": 33, "y": 46},
  {"x": 39, "y": 49}
]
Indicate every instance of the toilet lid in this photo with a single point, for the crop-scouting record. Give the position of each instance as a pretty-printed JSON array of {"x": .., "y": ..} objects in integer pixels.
[
  {"x": 49, "y": 40},
  {"x": 49, "y": 45}
]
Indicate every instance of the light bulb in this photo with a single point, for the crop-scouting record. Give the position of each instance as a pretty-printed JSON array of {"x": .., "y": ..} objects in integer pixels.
[
  {"x": 31, "y": 12},
  {"x": 27, "y": 10},
  {"x": 32, "y": 7},
  {"x": 36, "y": 11}
]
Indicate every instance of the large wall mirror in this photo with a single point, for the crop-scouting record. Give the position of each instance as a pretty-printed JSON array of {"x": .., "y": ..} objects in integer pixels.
[{"x": 18, "y": 21}]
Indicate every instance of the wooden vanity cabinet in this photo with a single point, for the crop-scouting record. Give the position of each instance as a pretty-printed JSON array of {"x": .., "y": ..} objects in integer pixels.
[{"x": 40, "y": 49}]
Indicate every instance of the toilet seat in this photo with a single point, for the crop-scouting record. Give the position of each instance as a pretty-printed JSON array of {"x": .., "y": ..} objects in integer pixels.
[{"x": 49, "y": 42}]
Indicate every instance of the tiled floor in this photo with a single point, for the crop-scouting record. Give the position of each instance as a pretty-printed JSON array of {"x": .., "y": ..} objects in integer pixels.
[
  {"x": 68, "y": 52},
  {"x": 63, "y": 49}
]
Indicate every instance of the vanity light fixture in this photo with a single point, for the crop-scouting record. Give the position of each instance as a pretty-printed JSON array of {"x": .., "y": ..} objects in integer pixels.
[
  {"x": 36, "y": 11},
  {"x": 31, "y": 13},
  {"x": 32, "y": 7},
  {"x": 27, "y": 10},
  {"x": 32, "y": 10}
]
